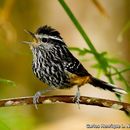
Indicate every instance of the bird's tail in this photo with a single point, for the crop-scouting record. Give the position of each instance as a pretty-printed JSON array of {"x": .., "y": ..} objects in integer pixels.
[{"x": 104, "y": 85}]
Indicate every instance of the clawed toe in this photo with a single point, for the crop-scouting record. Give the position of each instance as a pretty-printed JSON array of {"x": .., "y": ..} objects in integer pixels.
[
  {"x": 38, "y": 94},
  {"x": 76, "y": 100},
  {"x": 36, "y": 99}
]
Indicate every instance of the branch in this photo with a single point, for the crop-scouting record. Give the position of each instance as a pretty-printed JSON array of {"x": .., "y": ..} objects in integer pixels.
[{"x": 66, "y": 99}]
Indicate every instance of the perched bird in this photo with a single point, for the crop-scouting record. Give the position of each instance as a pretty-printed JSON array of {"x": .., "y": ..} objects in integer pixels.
[{"x": 55, "y": 65}]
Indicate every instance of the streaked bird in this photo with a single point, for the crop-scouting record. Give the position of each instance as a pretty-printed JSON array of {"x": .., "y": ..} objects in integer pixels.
[{"x": 56, "y": 66}]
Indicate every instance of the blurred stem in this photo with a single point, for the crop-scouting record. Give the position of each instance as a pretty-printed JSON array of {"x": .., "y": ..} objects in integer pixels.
[
  {"x": 100, "y": 7},
  {"x": 120, "y": 76},
  {"x": 124, "y": 29},
  {"x": 121, "y": 71},
  {"x": 6, "y": 11},
  {"x": 67, "y": 99},
  {"x": 5, "y": 23},
  {"x": 80, "y": 50}
]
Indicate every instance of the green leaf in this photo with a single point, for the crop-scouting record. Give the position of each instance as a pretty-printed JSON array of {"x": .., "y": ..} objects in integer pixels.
[
  {"x": 118, "y": 61},
  {"x": 103, "y": 60},
  {"x": 7, "y": 82},
  {"x": 80, "y": 51},
  {"x": 103, "y": 53},
  {"x": 97, "y": 66}
]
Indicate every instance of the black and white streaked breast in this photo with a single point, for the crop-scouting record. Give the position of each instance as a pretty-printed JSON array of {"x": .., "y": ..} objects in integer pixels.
[{"x": 48, "y": 67}]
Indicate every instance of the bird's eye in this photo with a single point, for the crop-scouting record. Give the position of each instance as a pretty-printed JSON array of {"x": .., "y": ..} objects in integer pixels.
[{"x": 44, "y": 39}]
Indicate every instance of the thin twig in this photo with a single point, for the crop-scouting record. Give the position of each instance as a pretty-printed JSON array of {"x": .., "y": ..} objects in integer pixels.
[{"x": 66, "y": 99}]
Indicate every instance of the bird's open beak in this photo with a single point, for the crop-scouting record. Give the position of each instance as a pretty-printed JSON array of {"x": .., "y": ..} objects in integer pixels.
[{"x": 33, "y": 36}]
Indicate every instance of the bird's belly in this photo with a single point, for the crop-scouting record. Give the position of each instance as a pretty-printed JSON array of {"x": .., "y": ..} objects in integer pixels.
[{"x": 52, "y": 76}]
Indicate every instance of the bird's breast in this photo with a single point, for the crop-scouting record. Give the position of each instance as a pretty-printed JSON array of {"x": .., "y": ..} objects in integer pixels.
[{"x": 49, "y": 69}]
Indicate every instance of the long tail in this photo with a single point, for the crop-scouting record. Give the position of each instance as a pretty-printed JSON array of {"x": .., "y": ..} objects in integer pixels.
[{"x": 104, "y": 85}]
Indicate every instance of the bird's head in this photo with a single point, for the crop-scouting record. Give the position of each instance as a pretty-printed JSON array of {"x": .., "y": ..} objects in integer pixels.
[{"x": 45, "y": 35}]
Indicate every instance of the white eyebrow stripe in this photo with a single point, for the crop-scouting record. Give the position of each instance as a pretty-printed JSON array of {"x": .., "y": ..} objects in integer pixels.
[
  {"x": 40, "y": 36},
  {"x": 51, "y": 37},
  {"x": 56, "y": 38}
]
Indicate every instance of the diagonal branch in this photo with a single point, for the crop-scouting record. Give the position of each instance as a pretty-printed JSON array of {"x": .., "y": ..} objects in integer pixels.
[{"x": 67, "y": 99}]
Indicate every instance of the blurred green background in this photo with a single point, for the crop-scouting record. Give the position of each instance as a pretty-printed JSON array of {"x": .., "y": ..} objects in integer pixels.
[{"x": 103, "y": 23}]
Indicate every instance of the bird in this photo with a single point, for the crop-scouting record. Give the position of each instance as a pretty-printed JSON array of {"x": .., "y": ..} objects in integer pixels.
[{"x": 56, "y": 66}]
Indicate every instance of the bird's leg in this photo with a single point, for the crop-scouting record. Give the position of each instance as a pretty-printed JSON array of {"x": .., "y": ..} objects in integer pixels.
[
  {"x": 38, "y": 94},
  {"x": 77, "y": 97}
]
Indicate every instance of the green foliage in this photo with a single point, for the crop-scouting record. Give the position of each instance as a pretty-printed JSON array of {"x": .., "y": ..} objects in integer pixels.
[
  {"x": 3, "y": 126},
  {"x": 21, "y": 118},
  {"x": 80, "y": 51},
  {"x": 7, "y": 82}
]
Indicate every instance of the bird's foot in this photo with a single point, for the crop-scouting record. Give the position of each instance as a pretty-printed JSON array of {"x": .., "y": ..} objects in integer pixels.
[
  {"x": 38, "y": 94},
  {"x": 76, "y": 98},
  {"x": 36, "y": 98}
]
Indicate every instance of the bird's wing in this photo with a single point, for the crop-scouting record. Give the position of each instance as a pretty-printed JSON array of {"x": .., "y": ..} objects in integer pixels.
[{"x": 72, "y": 65}]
